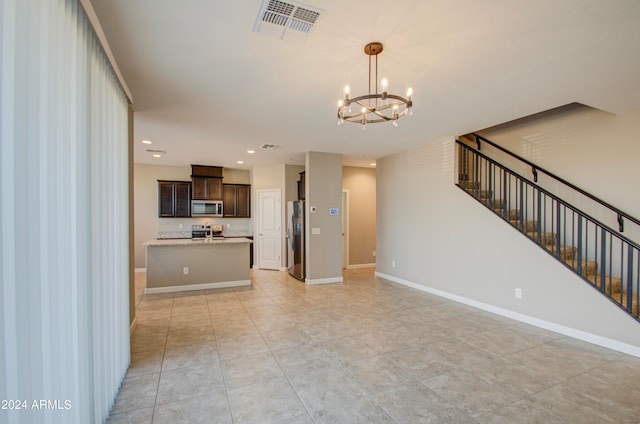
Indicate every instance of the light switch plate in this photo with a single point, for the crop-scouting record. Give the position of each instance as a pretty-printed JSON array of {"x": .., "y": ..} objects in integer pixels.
[
  {"x": 312, "y": 209},
  {"x": 315, "y": 231}
]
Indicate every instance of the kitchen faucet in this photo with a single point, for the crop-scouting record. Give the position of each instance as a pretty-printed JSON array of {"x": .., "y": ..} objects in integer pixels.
[{"x": 207, "y": 230}]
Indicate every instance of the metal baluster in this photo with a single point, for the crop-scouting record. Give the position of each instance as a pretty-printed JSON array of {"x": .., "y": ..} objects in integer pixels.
[
  {"x": 603, "y": 268},
  {"x": 539, "y": 218},
  {"x": 579, "y": 244},
  {"x": 638, "y": 286},
  {"x": 490, "y": 186},
  {"x": 558, "y": 230},
  {"x": 506, "y": 199},
  {"x": 629, "y": 277},
  {"x": 476, "y": 180},
  {"x": 521, "y": 203}
]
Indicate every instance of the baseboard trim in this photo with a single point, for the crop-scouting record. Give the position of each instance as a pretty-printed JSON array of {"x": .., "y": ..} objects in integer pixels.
[
  {"x": 547, "y": 325},
  {"x": 331, "y": 280},
  {"x": 132, "y": 326},
  {"x": 204, "y": 286},
  {"x": 140, "y": 270},
  {"x": 284, "y": 269},
  {"x": 373, "y": 265}
]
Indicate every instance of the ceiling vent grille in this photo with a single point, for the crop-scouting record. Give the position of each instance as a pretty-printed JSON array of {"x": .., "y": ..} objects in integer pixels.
[
  {"x": 284, "y": 16},
  {"x": 269, "y": 146}
]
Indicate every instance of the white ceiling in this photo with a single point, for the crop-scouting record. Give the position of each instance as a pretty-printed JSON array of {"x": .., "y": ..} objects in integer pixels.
[{"x": 206, "y": 88}]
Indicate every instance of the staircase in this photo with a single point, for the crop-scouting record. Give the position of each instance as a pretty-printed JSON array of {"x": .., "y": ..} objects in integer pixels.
[{"x": 603, "y": 257}]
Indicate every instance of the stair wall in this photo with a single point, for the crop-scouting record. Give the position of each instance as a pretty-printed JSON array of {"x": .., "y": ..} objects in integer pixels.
[{"x": 442, "y": 240}]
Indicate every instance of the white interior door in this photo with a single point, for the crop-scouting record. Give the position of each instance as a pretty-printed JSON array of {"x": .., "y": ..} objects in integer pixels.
[
  {"x": 269, "y": 232},
  {"x": 345, "y": 228}
]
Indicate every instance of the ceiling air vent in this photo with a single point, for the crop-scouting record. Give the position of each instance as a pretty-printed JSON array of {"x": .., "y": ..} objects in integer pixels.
[
  {"x": 284, "y": 16},
  {"x": 269, "y": 146}
]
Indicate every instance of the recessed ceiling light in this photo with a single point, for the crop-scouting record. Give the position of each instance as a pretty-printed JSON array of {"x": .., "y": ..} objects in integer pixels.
[
  {"x": 240, "y": 162},
  {"x": 146, "y": 141},
  {"x": 251, "y": 151},
  {"x": 157, "y": 155}
]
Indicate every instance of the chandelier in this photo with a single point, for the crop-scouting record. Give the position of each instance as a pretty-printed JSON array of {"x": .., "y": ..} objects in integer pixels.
[{"x": 374, "y": 107}]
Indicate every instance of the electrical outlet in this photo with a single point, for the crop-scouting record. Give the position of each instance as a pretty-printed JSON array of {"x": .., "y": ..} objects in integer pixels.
[
  {"x": 518, "y": 294},
  {"x": 185, "y": 270},
  {"x": 179, "y": 226},
  {"x": 374, "y": 253},
  {"x": 228, "y": 226},
  {"x": 393, "y": 264}
]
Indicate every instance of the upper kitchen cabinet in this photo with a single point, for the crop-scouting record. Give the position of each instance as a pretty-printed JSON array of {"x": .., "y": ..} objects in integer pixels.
[
  {"x": 206, "y": 182},
  {"x": 174, "y": 199},
  {"x": 206, "y": 188},
  {"x": 237, "y": 200}
]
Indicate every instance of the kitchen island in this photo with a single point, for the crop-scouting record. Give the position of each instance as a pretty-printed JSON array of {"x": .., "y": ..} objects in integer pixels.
[{"x": 185, "y": 264}]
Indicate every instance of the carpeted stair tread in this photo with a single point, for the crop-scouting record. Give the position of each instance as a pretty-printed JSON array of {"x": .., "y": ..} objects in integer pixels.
[
  {"x": 611, "y": 284},
  {"x": 528, "y": 226},
  {"x": 492, "y": 203},
  {"x": 481, "y": 194},
  {"x": 634, "y": 302},
  {"x": 588, "y": 267},
  {"x": 512, "y": 214},
  {"x": 545, "y": 238},
  {"x": 566, "y": 252}
]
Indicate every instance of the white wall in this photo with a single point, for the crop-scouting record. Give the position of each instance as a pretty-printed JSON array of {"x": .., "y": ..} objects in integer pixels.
[{"x": 442, "y": 239}]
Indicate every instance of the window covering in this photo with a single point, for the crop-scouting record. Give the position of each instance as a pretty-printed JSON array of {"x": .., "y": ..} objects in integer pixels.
[{"x": 64, "y": 317}]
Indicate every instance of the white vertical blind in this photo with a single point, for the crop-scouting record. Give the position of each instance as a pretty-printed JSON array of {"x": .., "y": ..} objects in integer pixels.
[{"x": 64, "y": 319}]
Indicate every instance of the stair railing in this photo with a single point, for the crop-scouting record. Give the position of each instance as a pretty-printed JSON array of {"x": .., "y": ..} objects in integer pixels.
[{"x": 605, "y": 258}]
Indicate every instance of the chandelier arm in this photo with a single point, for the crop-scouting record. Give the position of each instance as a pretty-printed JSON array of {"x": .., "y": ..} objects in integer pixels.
[
  {"x": 378, "y": 96},
  {"x": 358, "y": 120},
  {"x": 374, "y": 110}
]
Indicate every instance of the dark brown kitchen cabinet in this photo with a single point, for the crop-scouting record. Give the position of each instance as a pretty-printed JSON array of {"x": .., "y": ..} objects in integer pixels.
[
  {"x": 206, "y": 188},
  {"x": 237, "y": 200},
  {"x": 174, "y": 199}
]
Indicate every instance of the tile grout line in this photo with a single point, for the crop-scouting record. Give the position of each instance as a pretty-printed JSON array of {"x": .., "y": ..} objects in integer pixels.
[
  {"x": 164, "y": 351},
  {"x": 286, "y": 376},
  {"x": 224, "y": 381}
]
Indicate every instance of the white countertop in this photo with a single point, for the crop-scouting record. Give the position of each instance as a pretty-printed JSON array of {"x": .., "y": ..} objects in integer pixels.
[{"x": 197, "y": 242}]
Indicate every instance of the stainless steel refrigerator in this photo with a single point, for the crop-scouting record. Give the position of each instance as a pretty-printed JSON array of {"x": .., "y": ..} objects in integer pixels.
[{"x": 295, "y": 239}]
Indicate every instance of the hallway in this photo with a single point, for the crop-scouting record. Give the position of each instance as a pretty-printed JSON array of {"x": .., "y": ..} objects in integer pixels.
[{"x": 365, "y": 351}]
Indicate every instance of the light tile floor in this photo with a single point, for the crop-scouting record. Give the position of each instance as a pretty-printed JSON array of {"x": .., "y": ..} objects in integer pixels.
[{"x": 365, "y": 351}]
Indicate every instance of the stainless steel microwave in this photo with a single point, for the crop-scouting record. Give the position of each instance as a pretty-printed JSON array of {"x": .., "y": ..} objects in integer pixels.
[{"x": 206, "y": 208}]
